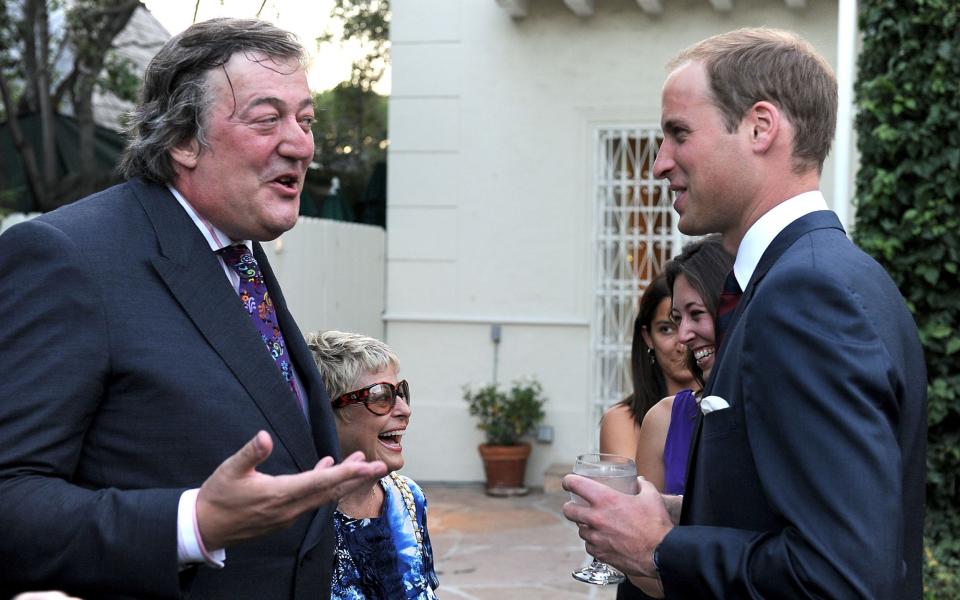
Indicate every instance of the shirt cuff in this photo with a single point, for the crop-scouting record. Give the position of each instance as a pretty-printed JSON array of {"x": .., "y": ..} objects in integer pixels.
[{"x": 189, "y": 545}]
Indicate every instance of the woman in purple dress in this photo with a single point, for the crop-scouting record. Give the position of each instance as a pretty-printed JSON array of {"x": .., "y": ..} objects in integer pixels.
[
  {"x": 659, "y": 368},
  {"x": 695, "y": 278}
]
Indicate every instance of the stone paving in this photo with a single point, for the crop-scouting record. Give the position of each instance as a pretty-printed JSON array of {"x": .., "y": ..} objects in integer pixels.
[{"x": 505, "y": 548}]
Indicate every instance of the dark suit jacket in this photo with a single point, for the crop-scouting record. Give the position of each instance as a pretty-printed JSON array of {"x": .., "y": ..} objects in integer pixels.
[
  {"x": 129, "y": 373},
  {"x": 812, "y": 483}
]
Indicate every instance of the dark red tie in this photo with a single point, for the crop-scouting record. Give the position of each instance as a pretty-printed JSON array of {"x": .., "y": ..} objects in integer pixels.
[
  {"x": 729, "y": 298},
  {"x": 256, "y": 301}
]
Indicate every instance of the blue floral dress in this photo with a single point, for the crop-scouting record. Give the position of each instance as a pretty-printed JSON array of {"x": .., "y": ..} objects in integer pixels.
[{"x": 389, "y": 557}]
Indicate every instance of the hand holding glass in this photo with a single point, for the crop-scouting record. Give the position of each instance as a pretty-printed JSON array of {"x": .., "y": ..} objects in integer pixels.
[{"x": 615, "y": 472}]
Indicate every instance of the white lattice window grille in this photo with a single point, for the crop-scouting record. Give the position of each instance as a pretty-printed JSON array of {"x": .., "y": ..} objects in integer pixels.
[{"x": 635, "y": 235}]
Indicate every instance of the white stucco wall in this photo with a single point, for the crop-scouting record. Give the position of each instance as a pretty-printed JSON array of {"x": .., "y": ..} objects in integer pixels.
[
  {"x": 490, "y": 215},
  {"x": 331, "y": 274}
]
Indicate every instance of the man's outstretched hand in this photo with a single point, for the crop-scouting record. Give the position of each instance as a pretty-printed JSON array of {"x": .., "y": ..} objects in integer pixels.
[{"x": 238, "y": 503}]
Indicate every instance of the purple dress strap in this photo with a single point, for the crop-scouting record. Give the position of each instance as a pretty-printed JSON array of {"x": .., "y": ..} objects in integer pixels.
[{"x": 676, "y": 448}]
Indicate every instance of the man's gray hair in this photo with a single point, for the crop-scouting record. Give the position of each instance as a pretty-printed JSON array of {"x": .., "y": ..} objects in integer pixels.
[
  {"x": 344, "y": 358},
  {"x": 176, "y": 94}
]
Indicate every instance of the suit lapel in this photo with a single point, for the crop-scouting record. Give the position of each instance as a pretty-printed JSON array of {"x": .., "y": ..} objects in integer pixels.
[
  {"x": 195, "y": 278},
  {"x": 821, "y": 219}
]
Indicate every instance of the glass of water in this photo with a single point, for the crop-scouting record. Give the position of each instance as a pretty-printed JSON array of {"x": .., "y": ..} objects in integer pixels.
[{"x": 615, "y": 472}]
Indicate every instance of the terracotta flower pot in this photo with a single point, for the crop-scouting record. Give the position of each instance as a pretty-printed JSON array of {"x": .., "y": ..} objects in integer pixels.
[{"x": 505, "y": 467}]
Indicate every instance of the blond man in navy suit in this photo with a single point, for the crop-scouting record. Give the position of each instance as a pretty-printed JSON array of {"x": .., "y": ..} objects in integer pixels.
[{"x": 807, "y": 474}]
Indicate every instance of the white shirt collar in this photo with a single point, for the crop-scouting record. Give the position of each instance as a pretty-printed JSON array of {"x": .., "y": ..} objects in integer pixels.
[
  {"x": 217, "y": 239},
  {"x": 769, "y": 226}
]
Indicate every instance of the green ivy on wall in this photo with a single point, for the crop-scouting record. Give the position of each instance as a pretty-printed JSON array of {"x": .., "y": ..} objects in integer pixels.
[{"x": 908, "y": 218}]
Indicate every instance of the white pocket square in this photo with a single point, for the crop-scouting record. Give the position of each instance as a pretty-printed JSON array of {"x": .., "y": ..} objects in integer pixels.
[{"x": 712, "y": 403}]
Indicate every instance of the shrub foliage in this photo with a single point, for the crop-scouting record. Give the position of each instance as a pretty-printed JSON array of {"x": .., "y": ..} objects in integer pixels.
[
  {"x": 908, "y": 218},
  {"x": 506, "y": 416}
]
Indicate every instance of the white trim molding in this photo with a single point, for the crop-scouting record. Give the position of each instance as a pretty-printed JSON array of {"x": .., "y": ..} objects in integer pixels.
[
  {"x": 517, "y": 9},
  {"x": 722, "y": 5},
  {"x": 581, "y": 8},
  {"x": 651, "y": 7},
  {"x": 484, "y": 319}
]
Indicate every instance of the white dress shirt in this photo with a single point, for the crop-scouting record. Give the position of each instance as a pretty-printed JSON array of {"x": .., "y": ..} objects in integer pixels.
[{"x": 761, "y": 234}]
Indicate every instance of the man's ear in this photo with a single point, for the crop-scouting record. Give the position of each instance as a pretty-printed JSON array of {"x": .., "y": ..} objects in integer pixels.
[
  {"x": 764, "y": 122},
  {"x": 186, "y": 153}
]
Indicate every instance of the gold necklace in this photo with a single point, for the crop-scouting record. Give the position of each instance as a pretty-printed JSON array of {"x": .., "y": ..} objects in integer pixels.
[{"x": 407, "y": 494}]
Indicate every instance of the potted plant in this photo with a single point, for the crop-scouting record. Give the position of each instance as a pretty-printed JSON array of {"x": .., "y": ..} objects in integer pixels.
[{"x": 505, "y": 417}]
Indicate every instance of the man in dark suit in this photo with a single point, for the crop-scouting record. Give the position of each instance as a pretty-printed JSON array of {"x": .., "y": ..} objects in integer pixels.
[
  {"x": 807, "y": 478},
  {"x": 149, "y": 420}
]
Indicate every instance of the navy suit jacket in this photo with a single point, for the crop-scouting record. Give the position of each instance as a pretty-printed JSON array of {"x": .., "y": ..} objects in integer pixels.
[
  {"x": 812, "y": 483},
  {"x": 129, "y": 372}
]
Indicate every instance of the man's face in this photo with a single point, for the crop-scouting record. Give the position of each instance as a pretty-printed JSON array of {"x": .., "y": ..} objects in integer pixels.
[
  {"x": 708, "y": 167},
  {"x": 247, "y": 182}
]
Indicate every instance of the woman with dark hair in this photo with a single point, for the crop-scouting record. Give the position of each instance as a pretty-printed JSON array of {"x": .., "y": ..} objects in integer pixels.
[
  {"x": 658, "y": 366},
  {"x": 695, "y": 279}
]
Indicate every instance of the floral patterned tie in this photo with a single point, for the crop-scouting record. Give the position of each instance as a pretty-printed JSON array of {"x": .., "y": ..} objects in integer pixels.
[{"x": 258, "y": 304}]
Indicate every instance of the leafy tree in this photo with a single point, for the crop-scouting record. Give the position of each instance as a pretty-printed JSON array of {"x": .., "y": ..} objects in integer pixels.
[
  {"x": 58, "y": 53},
  {"x": 908, "y": 218},
  {"x": 351, "y": 130},
  {"x": 366, "y": 21},
  {"x": 351, "y": 139}
]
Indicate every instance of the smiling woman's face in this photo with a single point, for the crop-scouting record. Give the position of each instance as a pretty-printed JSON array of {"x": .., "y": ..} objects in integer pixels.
[
  {"x": 377, "y": 436},
  {"x": 662, "y": 337},
  {"x": 695, "y": 326}
]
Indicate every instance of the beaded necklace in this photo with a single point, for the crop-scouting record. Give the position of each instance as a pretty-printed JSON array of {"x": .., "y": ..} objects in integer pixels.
[{"x": 407, "y": 496}]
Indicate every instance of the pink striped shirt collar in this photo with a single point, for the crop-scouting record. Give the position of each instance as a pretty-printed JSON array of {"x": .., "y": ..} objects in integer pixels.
[{"x": 216, "y": 238}]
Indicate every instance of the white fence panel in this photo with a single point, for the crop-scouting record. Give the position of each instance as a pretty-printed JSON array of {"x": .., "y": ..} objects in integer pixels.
[{"x": 332, "y": 274}]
